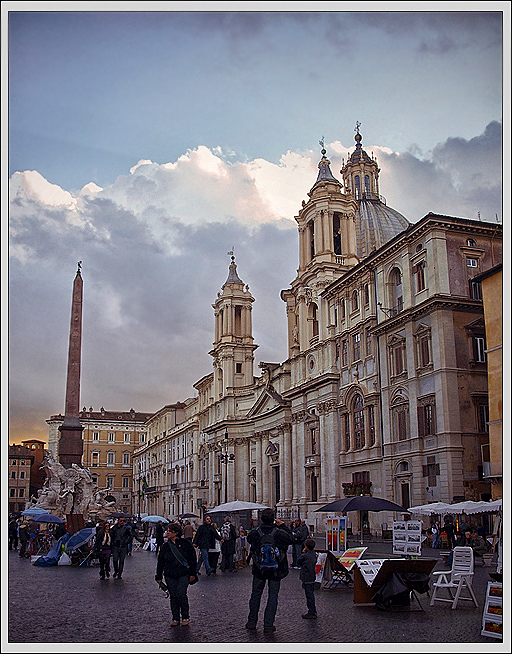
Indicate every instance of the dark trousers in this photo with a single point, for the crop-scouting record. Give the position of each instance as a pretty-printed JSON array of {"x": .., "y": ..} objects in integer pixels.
[
  {"x": 309, "y": 590},
  {"x": 13, "y": 541},
  {"x": 258, "y": 585},
  {"x": 228, "y": 562},
  {"x": 118, "y": 555},
  {"x": 104, "y": 558},
  {"x": 23, "y": 548},
  {"x": 178, "y": 597}
]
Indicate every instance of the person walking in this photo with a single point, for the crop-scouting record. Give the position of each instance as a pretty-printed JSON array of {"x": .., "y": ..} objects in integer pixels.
[
  {"x": 24, "y": 537},
  {"x": 307, "y": 564},
  {"x": 450, "y": 533},
  {"x": 188, "y": 531},
  {"x": 228, "y": 547},
  {"x": 120, "y": 537},
  {"x": 214, "y": 552},
  {"x": 103, "y": 549},
  {"x": 204, "y": 540},
  {"x": 269, "y": 544},
  {"x": 13, "y": 534},
  {"x": 159, "y": 536},
  {"x": 177, "y": 564}
]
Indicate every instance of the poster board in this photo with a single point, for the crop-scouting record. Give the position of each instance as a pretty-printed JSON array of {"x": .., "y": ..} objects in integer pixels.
[
  {"x": 350, "y": 556},
  {"x": 320, "y": 566},
  {"x": 407, "y": 537},
  {"x": 492, "y": 621},
  {"x": 336, "y": 535}
]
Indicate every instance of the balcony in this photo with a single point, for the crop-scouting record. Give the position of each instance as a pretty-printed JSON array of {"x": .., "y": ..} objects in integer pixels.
[{"x": 351, "y": 489}]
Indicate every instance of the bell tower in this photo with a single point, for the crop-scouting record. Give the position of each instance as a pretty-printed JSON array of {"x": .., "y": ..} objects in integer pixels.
[
  {"x": 327, "y": 249},
  {"x": 233, "y": 349}
]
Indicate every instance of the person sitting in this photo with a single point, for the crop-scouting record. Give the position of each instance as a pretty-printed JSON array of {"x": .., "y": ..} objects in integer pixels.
[{"x": 478, "y": 544}]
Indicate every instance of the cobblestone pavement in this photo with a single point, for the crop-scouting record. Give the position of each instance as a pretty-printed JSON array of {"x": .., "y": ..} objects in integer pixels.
[{"x": 69, "y": 604}]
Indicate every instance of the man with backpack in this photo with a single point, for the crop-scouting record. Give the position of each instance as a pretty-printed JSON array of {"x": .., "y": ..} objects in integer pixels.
[
  {"x": 269, "y": 544},
  {"x": 229, "y": 536}
]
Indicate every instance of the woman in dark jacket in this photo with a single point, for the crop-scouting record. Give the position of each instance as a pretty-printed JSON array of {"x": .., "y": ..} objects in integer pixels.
[
  {"x": 177, "y": 563},
  {"x": 103, "y": 548}
]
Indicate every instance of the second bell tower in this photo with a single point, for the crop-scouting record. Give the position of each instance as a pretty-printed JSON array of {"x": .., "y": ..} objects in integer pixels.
[{"x": 233, "y": 348}]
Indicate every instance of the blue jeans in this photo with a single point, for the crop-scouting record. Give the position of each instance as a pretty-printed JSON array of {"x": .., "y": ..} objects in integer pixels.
[
  {"x": 203, "y": 558},
  {"x": 258, "y": 586},
  {"x": 178, "y": 597},
  {"x": 309, "y": 590}
]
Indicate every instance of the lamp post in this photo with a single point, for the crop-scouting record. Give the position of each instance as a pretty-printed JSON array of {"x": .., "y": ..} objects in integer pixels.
[{"x": 226, "y": 458}]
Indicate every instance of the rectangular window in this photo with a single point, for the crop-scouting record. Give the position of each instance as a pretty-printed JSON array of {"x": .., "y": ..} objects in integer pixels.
[
  {"x": 419, "y": 275},
  {"x": 238, "y": 368},
  {"x": 424, "y": 351},
  {"x": 126, "y": 459},
  {"x": 426, "y": 420},
  {"x": 22, "y": 474},
  {"x": 126, "y": 482},
  {"x": 471, "y": 263},
  {"x": 344, "y": 353},
  {"x": 95, "y": 435},
  {"x": 111, "y": 437},
  {"x": 12, "y": 492},
  {"x": 475, "y": 291},
  {"x": 431, "y": 471},
  {"x": 479, "y": 349},
  {"x": 483, "y": 418},
  {"x": 110, "y": 458},
  {"x": 127, "y": 438},
  {"x": 356, "y": 339},
  {"x": 398, "y": 359}
]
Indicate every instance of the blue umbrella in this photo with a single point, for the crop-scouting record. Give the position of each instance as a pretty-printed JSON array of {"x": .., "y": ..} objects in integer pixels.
[
  {"x": 34, "y": 510},
  {"x": 47, "y": 517},
  {"x": 80, "y": 538},
  {"x": 154, "y": 518}
]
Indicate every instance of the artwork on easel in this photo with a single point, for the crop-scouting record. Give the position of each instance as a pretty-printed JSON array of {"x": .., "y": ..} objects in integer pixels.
[
  {"x": 407, "y": 537},
  {"x": 336, "y": 535}
]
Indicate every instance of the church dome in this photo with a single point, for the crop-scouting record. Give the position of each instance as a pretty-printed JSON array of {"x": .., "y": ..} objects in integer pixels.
[{"x": 376, "y": 224}]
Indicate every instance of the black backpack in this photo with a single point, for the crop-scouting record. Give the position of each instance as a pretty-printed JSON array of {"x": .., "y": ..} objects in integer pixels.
[{"x": 267, "y": 555}]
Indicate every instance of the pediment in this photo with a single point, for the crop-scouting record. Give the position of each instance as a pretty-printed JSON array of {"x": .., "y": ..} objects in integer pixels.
[{"x": 267, "y": 401}]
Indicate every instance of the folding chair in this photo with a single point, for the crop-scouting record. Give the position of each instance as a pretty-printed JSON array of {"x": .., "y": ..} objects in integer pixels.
[{"x": 459, "y": 577}]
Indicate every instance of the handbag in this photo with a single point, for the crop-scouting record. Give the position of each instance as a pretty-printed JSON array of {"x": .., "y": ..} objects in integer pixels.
[{"x": 177, "y": 555}]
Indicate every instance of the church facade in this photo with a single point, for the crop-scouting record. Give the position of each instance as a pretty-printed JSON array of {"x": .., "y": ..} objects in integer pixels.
[{"x": 383, "y": 392}]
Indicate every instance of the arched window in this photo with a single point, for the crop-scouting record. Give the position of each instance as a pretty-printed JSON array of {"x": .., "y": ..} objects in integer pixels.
[
  {"x": 367, "y": 185},
  {"x": 358, "y": 187},
  {"x": 400, "y": 418},
  {"x": 358, "y": 415},
  {"x": 355, "y": 301}
]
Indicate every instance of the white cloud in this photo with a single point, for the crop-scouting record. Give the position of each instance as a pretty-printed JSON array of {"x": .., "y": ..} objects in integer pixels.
[{"x": 154, "y": 249}]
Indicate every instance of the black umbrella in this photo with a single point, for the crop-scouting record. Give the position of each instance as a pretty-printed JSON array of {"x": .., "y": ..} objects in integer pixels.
[
  {"x": 361, "y": 503},
  {"x": 188, "y": 515}
]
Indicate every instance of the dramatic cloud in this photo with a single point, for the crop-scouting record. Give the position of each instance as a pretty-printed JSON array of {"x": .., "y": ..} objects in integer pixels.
[{"x": 154, "y": 249}]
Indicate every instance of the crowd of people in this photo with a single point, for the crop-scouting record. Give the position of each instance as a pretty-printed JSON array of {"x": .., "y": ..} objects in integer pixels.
[
  {"x": 187, "y": 550},
  {"x": 465, "y": 535}
]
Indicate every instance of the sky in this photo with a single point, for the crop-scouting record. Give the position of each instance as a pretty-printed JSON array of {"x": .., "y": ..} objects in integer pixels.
[{"x": 148, "y": 145}]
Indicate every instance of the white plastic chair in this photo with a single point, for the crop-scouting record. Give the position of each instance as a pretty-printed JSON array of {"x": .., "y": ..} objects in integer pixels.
[{"x": 459, "y": 577}]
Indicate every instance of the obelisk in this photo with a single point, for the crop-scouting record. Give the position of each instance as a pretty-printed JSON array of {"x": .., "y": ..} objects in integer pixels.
[{"x": 70, "y": 442}]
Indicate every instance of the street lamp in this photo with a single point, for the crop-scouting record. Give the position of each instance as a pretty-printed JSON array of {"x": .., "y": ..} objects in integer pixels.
[{"x": 226, "y": 458}]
